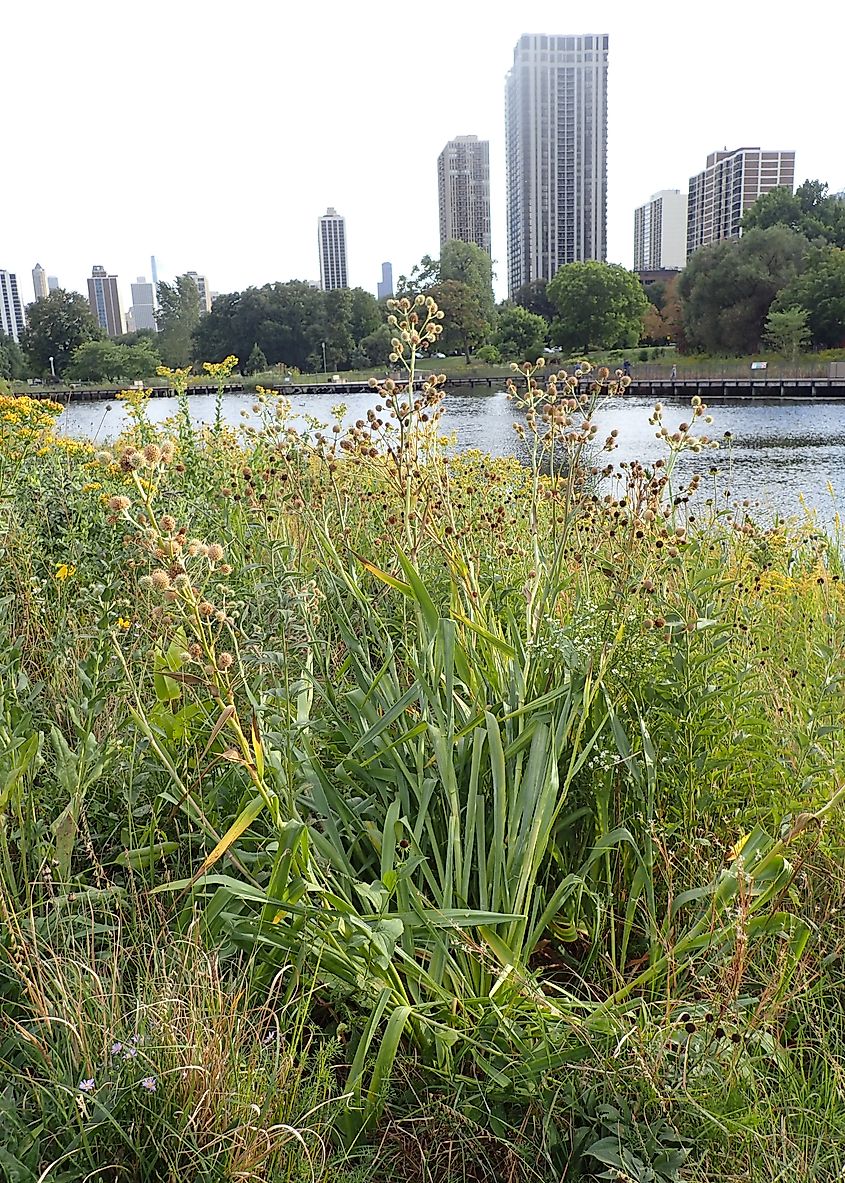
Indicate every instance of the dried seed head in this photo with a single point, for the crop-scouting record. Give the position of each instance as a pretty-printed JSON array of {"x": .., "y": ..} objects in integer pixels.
[{"x": 160, "y": 580}]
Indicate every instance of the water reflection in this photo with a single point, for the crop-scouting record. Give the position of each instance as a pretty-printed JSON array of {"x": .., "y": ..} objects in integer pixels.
[{"x": 776, "y": 451}]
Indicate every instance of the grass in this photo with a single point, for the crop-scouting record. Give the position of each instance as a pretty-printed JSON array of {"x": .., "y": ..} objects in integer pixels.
[{"x": 405, "y": 815}]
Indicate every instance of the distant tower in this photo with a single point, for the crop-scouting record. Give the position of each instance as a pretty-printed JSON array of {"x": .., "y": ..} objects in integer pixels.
[
  {"x": 154, "y": 273},
  {"x": 463, "y": 187},
  {"x": 556, "y": 146},
  {"x": 332, "y": 233},
  {"x": 53, "y": 283},
  {"x": 203, "y": 289},
  {"x": 105, "y": 301},
  {"x": 11, "y": 309},
  {"x": 142, "y": 313},
  {"x": 39, "y": 282},
  {"x": 385, "y": 285}
]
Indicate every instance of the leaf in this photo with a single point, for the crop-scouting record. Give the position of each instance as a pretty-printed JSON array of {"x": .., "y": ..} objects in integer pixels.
[{"x": 238, "y": 827}]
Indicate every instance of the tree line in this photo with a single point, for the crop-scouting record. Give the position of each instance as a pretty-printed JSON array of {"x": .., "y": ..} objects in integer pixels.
[{"x": 780, "y": 284}]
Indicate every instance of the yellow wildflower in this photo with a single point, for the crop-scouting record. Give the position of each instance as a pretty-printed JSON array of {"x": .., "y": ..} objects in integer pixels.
[
  {"x": 123, "y": 623},
  {"x": 64, "y": 571}
]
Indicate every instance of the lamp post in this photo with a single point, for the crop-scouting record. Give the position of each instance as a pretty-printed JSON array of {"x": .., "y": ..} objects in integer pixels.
[
  {"x": 52, "y": 368},
  {"x": 325, "y": 367}
]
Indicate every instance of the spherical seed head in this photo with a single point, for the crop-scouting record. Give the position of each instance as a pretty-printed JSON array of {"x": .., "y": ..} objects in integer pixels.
[
  {"x": 225, "y": 661},
  {"x": 168, "y": 523},
  {"x": 168, "y": 451},
  {"x": 160, "y": 580},
  {"x": 103, "y": 457},
  {"x": 181, "y": 582},
  {"x": 146, "y": 582},
  {"x": 205, "y": 609},
  {"x": 119, "y": 504},
  {"x": 224, "y": 569},
  {"x": 215, "y": 552},
  {"x": 152, "y": 453},
  {"x": 130, "y": 460},
  {"x": 194, "y": 547}
]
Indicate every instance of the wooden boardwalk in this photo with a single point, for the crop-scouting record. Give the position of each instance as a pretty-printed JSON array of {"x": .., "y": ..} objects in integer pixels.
[{"x": 667, "y": 388}]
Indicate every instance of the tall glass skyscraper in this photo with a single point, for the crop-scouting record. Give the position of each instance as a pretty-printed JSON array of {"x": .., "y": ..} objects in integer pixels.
[
  {"x": 556, "y": 145},
  {"x": 11, "y": 309},
  {"x": 104, "y": 301}
]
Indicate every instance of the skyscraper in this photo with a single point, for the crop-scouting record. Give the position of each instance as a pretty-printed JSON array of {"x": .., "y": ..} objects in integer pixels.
[
  {"x": 385, "y": 284},
  {"x": 53, "y": 283},
  {"x": 142, "y": 313},
  {"x": 556, "y": 146},
  {"x": 731, "y": 182},
  {"x": 332, "y": 236},
  {"x": 11, "y": 309},
  {"x": 660, "y": 232},
  {"x": 39, "y": 282},
  {"x": 463, "y": 187},
  {"x": 203, "y": 289},
  {"x": 105, "y": 301}
]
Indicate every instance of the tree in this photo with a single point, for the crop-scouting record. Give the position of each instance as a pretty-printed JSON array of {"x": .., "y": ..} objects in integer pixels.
[
  {"x": 109, "y": 361},
  {"x": 12, "y": 361},
  {"x": 811, "y": 210},
  {"x": 599, "y": 305},
  {"x": 56, "y": 327},
  {"x": 376, "y": 346},
  {"x": 787, "y": 331},
  {"x": 728, "y": 288},
  {"x": 655, "y": 328},
  {"x": 820, "y": 290},
  {"x": 464, "y": 322},
  {"x": 520, "y": 334},
  {"x": 365, "y": 316},
  {"x": 177, "y": 316},
  {"x": 672, "y": 314},
  {"x": 534, "y": 297},
  {"x": 256, "y": 362},
  {"x": 422, "y": 276},
  {"x": 285, "y": 320},
  {"x": 468, "y": 264}
]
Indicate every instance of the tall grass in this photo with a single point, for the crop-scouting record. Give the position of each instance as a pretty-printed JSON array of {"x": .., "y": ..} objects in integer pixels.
[{"x": 506, "y": 796}]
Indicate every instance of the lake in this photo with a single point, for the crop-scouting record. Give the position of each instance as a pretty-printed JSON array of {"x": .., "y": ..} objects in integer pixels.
[{"x": 779, "y": 450}]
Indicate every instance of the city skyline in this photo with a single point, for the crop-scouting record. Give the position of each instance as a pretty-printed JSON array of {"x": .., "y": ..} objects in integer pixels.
[{"x": 659, "y": 132}]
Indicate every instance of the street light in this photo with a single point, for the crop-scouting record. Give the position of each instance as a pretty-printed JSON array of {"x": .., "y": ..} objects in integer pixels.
[
  {"x": 325, "y": 367},
  {"x": 52, "y": 368}
]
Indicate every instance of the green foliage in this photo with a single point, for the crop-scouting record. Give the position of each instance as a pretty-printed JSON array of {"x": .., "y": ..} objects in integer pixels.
[
  {"x": 820, "y": 291},
  {"x": 597, "y": 305},
  {"x": 289, "y": 322},
  {"x": 728, "y": 288},
  {"x": 489, "y": 354},
  {"x": 422, "y": 276},
  {"x": 787, "y": 331},
  {"x": 466, "y": 263},
  {"x": 466, "y": 310},
  {"x": 56, "y": 327},
  {"x": 375, "y": 347},
  {"x": 256, "y": 362},
  {"x": 177, "y": 316},
  {"x": 520, "y": 334},
  {"x": 811, "y": 210},
  {"x": 534, "y": 297},
  {"x": 109, "y": 361},
  {"x": 12, "y": 360}
]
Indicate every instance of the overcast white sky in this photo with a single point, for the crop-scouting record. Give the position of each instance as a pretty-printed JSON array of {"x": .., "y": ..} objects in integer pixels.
[{"x": 214, "y": 134}]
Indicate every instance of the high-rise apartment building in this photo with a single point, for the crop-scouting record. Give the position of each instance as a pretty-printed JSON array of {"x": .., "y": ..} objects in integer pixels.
[
  {"x": 39, "y": 282},
  {"x": 53, "y": 283},
  {"x": 332, "y": 236},
  {"x": 203, "y": 289},
  {"x": 105, "y": 301},
  {"x": 385, "y": 284},
  {"x": 556, "y": 146},
  {"x": 731, "y": 182},
  {"x": 660, "y": 232},
  {"x": 463, "y": 187},
  {"x": 141, "y": 315},
  {"x": 11, "y": 309}
]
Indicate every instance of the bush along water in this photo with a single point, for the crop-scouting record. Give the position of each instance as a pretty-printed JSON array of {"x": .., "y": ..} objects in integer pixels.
[{"x": 370, "y": 810}]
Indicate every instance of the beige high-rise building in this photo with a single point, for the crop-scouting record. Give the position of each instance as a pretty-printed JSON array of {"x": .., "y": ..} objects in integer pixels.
[
  {"x": 39, "y": 282},
  {"x": 463, "y": 186},
  {"x": 731, "y": 182},
  {"x": 556, "y": 147},
  {"x": 105, "y": 301},
  {"x": 204, "y": 291}
]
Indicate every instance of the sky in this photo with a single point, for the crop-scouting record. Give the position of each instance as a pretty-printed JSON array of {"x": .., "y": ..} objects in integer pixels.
[{"x": 213, "y": 135}]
